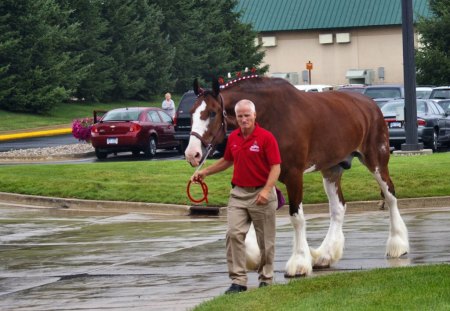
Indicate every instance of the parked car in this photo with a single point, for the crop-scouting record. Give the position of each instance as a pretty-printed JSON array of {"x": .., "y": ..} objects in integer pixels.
[
  {"x": 423, "y": 92},
  {"x": 183, "y": 119},
  {"x": 183, "y": 123},
  {"x": 357, "y": 88},
  {"x": 444, "y": 103},
  {"x": 441, "y": 92},
  {"x": 383, "y": 93},
  {"x": 314, "y": 87},
  {"x": 137, "y": 129},
  {"x": 433, "y": 125}
]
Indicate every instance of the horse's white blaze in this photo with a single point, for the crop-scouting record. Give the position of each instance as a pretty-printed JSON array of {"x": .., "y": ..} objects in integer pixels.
[
  {"x": 310, "y": 169},
  {"x": 300, "y": 262},
  {"x": 332, "y": 247},
  {"x": 199, "y": 126},
  {"x": 397, "y": 243},
  {"x": 252, "y": 252}
]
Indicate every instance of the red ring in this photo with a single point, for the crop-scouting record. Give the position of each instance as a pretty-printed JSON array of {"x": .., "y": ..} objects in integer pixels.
[{"x": 204, "y": 189}]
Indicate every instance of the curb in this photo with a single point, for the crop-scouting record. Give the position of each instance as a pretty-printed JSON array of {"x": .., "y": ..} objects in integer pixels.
[
  {"x": 94, "y": 205},
  {"x": 34, "y": 201},
  {"x": 49, "y": 132}
]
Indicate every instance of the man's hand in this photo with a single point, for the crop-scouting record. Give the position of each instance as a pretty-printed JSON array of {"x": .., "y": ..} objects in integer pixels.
[
  {"x": 263, "y": 197},
  {"x": 198, "y": 176}
]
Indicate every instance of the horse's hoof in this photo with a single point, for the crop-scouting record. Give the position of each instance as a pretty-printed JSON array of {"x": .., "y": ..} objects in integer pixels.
[
  {"x": 297, "y": 275},
  {"x": 320, "y": 267}
]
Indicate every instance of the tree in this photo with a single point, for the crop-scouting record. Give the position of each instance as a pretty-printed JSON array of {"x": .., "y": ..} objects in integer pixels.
[
  {"x": 433, "y": 59},
  {"x": 92, "y": 47},
  {"x": 142, "y": 55},
  {"x": 36, "y": 69},
  {"x": 209, "y": 40}
]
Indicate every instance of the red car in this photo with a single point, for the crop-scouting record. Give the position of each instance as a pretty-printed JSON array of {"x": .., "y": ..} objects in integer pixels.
[{"x": 134, "y": 129}]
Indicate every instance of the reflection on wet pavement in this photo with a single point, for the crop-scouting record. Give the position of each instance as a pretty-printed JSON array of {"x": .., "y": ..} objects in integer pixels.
[{"x": 58, "y": 259}]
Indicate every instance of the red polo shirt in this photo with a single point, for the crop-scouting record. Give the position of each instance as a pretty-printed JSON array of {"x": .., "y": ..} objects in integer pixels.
[{"x": 252, "y": 157}]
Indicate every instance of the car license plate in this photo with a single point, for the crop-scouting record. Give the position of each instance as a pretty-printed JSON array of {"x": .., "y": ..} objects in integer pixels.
[
  {"x": 395, "y": 124},
  {"x": 112, "y": 141}
]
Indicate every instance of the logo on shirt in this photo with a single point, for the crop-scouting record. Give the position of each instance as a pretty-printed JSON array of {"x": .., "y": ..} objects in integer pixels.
[{"x": 254, "y": 147}]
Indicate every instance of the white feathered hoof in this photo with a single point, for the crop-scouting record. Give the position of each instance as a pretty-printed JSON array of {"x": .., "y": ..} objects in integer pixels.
[
  {"x": 252, "y": 252},
  {"x": 323, "y": 260},
  {"x": 397, "y": 246},
  {"x": 319, "y": 261},
  {"x": 298, "y": 266}
]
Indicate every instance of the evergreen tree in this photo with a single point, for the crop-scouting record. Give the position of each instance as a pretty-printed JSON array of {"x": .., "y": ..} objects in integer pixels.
[
  {"x": 92, "y": 46},
  {"x": 142, "y": 55},
  {"x": 36, "y": 70},
  {"x": 209, "y": 40},
  {"x": 433, "y": 59}
]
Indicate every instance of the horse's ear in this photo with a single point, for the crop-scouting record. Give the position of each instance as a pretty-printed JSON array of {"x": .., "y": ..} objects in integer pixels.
[
  {"x": 215, "y": 87},
  {"x": 196, "y": 87}
]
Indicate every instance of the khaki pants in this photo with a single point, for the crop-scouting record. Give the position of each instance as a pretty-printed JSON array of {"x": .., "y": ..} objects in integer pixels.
[{"x": 242, "y": 210}]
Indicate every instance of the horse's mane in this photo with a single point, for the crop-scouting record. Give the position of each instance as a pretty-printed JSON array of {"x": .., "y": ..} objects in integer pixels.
[{"x": 255, "y": 83}]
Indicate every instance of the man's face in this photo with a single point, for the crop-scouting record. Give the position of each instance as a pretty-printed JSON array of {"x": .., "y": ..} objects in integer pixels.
[{"x": 245, "y": 117}]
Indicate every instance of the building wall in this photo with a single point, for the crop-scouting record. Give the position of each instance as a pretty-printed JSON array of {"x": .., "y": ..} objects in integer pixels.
[{"x": 369, "y": 48}]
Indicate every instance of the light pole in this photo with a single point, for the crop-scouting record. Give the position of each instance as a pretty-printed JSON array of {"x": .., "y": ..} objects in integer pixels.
[{"x": 409, "y": 77}]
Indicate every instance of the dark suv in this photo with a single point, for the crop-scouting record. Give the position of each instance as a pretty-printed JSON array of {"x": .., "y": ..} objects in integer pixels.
[
  {"x": 183, "y": 118},
  {"x": 183, "y": 122}
]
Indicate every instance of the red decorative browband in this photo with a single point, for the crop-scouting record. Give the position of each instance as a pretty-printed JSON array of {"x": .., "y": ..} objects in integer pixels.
[{"x": 238, "y": 78}]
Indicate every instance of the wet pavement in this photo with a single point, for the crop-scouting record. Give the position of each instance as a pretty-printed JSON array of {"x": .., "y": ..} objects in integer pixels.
[{"x": 57, "y": 259}]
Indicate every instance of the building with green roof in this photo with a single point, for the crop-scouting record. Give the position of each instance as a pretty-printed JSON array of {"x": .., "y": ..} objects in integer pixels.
[{"x": 356, "y": 41}]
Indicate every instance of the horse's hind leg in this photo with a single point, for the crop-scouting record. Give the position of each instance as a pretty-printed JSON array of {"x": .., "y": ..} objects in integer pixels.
[
  {"x": 332, "y": 246},
  {"x": 397, "y": 243}
]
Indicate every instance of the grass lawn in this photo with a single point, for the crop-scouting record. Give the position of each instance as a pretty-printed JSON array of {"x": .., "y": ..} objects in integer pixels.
[
  {"x": 165, "y": 181},
  {"x": 407, "y": 288},
  {"x": 65, "y": 113}
]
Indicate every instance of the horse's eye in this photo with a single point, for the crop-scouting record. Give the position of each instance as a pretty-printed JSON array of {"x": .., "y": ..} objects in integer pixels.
[{"x": 212, "y": 114}]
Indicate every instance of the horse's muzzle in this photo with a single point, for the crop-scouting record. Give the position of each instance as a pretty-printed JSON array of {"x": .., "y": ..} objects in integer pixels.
[{"x": 195, "y": 159}]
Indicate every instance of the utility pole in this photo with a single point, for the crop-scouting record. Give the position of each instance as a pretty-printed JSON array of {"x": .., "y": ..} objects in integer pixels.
[{"x": 409, "y": 77}]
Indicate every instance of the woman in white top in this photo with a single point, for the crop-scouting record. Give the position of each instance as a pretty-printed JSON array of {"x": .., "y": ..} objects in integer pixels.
[{"x": 168, "y": 105}]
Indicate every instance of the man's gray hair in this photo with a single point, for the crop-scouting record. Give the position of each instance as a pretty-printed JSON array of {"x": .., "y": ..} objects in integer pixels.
[{"x": 245, "y": 102}]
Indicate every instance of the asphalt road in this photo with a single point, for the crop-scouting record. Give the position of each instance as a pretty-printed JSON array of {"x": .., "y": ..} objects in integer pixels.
[{"x": 37, "y": 142}]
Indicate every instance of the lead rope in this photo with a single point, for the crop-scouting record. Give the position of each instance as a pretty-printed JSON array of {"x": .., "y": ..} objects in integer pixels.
[{"x": 202, "y": 184}]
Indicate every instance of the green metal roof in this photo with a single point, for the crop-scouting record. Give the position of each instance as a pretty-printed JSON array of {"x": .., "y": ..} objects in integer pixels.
[{"x": 281, "y": 15}]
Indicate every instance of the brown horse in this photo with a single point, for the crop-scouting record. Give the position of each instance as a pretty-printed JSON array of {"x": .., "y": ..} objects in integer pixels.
[{"x": 315, "y": 132}]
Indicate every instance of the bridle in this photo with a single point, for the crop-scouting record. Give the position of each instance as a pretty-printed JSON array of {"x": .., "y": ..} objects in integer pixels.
[
  {"x": 212, "y": 143},
  {"x": 209, "y": 147}
]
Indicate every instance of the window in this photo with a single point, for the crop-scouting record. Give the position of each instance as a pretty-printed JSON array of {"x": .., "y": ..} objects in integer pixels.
[
  {"x": 165, "y": 117},
  {"x": 154, "y": 117}
]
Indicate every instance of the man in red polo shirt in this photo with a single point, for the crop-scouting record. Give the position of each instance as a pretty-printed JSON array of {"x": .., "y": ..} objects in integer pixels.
[{"x": 256, "y": 158}]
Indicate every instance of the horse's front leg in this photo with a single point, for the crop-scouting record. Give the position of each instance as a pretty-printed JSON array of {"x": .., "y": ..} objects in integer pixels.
[
  {"x": 332, "y": 247},
  {"x": 300, "y": 263}
]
